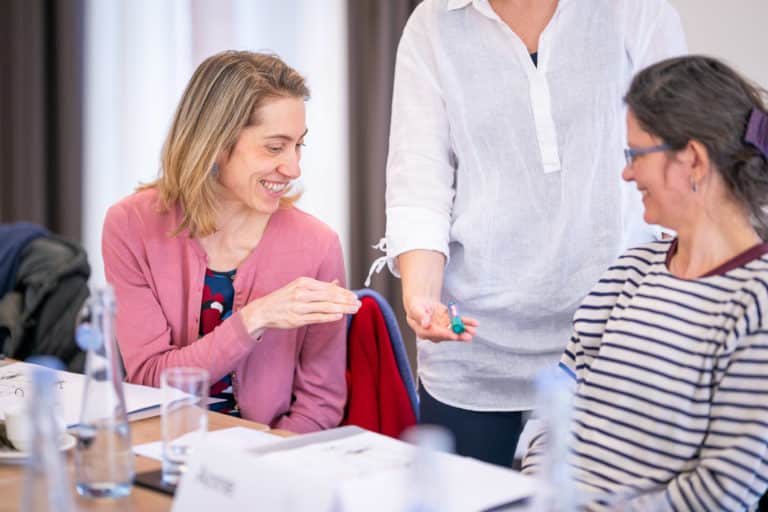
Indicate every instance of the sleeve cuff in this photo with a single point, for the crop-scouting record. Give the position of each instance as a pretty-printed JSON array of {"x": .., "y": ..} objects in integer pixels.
[
  {"x": 410, "y": 228},
  {"x": 241, "y": 333}
]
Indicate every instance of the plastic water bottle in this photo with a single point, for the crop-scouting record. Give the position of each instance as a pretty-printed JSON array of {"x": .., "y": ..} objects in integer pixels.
[
  {"x": 557, "y": 492},
  {"x": 103, "y": 457},
  {"x": 45, "y": 487},
  {"x": 425, "y": 491}
]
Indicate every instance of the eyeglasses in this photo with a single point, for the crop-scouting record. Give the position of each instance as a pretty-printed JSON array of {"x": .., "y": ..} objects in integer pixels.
[{"x": 631, "y": 153}]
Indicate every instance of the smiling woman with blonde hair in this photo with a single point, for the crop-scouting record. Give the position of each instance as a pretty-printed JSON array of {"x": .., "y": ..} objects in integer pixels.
[{"x": 214, "y": 267}]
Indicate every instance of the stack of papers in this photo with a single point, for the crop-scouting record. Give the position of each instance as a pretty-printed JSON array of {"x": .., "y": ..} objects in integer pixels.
[
  {"x": 240, "y": 438},
  {"x": 15, "y": 385},
  {"x": 376, "y": 473},
  {"x": 342, "y": 469}
]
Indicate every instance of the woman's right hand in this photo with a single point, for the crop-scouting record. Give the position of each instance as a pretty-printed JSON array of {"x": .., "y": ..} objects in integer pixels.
[
  {"x": 422, "y": 275},
  {"x": 430, "y": 320},
  {"x": 301, "y": 302}
]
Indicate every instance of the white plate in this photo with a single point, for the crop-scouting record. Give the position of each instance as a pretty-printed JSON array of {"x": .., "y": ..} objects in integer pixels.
[{"x": 9, "y": 456}]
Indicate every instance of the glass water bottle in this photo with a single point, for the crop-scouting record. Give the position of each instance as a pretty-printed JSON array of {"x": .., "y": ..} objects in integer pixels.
[{"x": 103, "y": 458}]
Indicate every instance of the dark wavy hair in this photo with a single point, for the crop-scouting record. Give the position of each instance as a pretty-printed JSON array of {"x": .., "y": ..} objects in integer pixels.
[{"x": 701, "y": 98}]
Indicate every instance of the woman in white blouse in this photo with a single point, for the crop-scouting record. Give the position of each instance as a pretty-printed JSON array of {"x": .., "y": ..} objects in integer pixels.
[{"x": 503, "y": 193}]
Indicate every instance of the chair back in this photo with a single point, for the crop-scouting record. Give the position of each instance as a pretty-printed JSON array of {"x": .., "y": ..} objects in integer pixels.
[
  {"x": 382, "y": 392},
  {"x": 48, "y": 279}
]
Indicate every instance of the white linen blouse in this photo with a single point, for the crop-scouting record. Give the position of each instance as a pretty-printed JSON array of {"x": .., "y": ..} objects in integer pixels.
[{"x": 512, "y": 170}]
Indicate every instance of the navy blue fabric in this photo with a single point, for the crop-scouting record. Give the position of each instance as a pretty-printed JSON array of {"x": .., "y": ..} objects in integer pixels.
[
  {"x": 13, "y": 239},
  {"x": 398, "y": 346},
  {"x": 535, "y": 58},
  {"x": 218, "y": 297},
  {"x": 490, "y": 436}
]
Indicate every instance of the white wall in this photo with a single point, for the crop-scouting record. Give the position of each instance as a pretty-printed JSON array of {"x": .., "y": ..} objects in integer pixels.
[
  {"x": 733, "y": 30},
  {"x": 136, "y": 65},
  {"x": 311, "y": 37},
  {"x": 140, "y": 54}
]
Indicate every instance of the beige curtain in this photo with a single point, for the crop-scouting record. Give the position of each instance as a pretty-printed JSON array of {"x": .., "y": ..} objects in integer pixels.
[
  {"x": 41, "y": 79},
  {"x": 374, "y": 31}
]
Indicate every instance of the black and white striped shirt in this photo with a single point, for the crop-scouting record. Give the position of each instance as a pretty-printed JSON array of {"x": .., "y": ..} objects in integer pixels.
[{"x": 671, "y": 407}]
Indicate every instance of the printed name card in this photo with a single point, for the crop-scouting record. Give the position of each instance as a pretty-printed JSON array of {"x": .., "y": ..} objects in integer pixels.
[
  {"x": 222, "y": 475},
  {"x": 346, "y": 468}
]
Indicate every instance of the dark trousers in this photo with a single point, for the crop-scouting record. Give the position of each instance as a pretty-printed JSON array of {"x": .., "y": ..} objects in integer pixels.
[{"x": 490, "y": 436}]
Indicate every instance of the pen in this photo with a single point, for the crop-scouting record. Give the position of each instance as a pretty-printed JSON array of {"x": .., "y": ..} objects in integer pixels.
[{"x": 457, "y": 325}]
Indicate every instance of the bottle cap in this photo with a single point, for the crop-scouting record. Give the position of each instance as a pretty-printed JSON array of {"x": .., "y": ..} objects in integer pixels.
[{"x": 88, "y": 337}]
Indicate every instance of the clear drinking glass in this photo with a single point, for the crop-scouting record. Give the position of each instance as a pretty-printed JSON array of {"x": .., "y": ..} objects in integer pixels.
[
  {"x": 557, "y": 490},
  {"x": 46, "y": 486},
  {"x": 426, "y": 486},
  {"x": 184, "y": 419}
]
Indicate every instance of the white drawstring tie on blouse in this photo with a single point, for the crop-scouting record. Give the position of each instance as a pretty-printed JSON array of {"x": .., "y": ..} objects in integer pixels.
[{"x": 379, "y": 263}]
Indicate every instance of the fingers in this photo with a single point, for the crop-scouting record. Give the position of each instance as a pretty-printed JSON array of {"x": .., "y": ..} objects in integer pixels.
[
  {"x": 321, "y": 318},
  {"x": 417, "y": 329},
  {"x": 430, "y": 320},
  {"x": 426, "y": 317},
  {"x": 308, "y": 296},
  {"x": 439, "y": 333},
  {"x": 308, "y": 308},
  {"x": 335, "y": 295},
  {"x": 313, "y": 284},
  {"x": 421, "y": 314},
  {"x": 296, "y": 321},
  {"x": 443, "y": 334}
]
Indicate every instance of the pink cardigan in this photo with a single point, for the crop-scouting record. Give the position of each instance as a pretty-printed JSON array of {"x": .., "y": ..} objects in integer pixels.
[{"x": 290, "y": 379}]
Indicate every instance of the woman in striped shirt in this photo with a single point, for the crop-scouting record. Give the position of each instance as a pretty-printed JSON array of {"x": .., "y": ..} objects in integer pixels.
[{"x": 669, "y": 351}]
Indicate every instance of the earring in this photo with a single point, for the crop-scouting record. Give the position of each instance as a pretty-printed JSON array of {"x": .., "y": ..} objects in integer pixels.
[
  {"x": 694, "y": 187},
  {"x": 215, "y": 170}
]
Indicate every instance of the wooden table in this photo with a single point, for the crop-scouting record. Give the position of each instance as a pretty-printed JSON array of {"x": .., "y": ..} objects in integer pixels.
[{"x": 141, "y": 499}]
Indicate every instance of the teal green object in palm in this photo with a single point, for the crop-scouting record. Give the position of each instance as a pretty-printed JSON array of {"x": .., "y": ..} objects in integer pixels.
[{"x": 457, "y": 325}]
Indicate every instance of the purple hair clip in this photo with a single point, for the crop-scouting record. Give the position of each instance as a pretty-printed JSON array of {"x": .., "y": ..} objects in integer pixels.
[{"x": 757, "y": 130}]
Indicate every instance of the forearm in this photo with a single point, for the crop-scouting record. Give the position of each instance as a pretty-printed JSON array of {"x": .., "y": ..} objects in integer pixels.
[
  {"x": 218, "y": 352},
  {"x": 422, "y": 273},
  {"x": 421, "y": 166},
  {"x": 300, "y": 423},
  {"x": 317, "y": 406},
  {"x": 319, "y": 386}
]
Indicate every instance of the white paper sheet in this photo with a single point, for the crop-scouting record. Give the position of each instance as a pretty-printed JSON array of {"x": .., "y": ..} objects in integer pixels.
[
  {"x": 220, "y": 475},
  {"x": 15, "y": 384},
  {"x": 342, "y": 469},
  {"x": 374, "y": 473},
  {"x": 240, "y": 438},
  {"x": 354, "y": 457}
]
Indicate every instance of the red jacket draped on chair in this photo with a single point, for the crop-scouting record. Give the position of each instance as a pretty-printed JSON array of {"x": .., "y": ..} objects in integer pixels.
[{"x": 377, "y": 398}]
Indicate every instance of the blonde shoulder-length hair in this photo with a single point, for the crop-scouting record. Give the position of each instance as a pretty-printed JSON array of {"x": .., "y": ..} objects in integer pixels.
[{"x": 220, "y": 99}]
